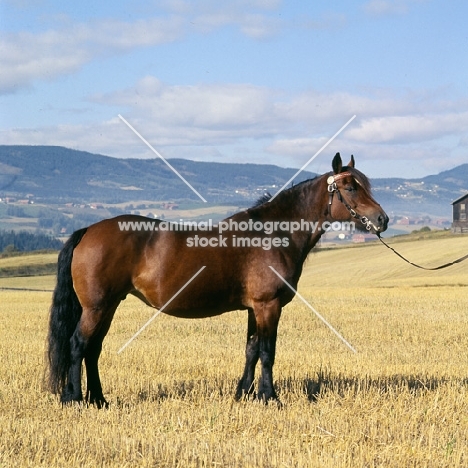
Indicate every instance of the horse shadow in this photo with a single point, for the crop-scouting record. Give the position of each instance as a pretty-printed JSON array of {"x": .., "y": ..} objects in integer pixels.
[
  {"x": 313, "y": 388},
  {"x": 341, "y": 385}
]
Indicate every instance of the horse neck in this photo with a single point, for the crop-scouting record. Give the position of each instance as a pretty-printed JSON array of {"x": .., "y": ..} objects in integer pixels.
[{"x": 305, "y": 202}]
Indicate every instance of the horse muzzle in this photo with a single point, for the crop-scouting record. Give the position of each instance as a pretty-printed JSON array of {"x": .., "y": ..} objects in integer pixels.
[{"x": 376, "y": 224}]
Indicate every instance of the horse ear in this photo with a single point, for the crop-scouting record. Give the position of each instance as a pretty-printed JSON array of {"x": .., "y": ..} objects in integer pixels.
[
  {"x": 351, "y": 163},
  {"x": 337, "y": 164}
]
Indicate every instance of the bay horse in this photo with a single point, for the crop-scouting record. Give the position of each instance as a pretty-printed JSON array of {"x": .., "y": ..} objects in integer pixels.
[{"x": 99, "y": 265}]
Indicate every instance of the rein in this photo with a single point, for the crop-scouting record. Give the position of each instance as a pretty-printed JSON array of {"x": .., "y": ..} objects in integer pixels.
[
  {"x": 445, "y": 265},
  {"x": 332, "y": 188}
]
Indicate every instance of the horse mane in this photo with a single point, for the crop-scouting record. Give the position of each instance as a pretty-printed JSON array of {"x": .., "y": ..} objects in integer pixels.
[
  {"x": 263, "y": 199},
  {"x": 267, "y": 196},
  {"x": 362, "y": 180}
]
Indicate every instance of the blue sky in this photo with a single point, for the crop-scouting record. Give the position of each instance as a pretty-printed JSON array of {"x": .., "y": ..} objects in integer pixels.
[{"x": 263, "y": 81}]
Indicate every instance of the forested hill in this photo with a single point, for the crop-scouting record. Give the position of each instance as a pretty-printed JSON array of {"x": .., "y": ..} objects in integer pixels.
[
  {"x": 62, "y": 174},
  {"x": 54, "y": 174}
]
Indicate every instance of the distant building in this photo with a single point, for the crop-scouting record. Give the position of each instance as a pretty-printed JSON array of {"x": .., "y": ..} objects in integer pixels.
[
  {"x": 405, "y": 221},
  {"x": 460, "y": 223},
  {"x": 169, "y": 206},
  {"x": 360, "y": 238}
]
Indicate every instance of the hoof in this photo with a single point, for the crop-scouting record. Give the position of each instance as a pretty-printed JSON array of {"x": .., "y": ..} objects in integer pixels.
[
  {"x": 70, "y": 403},
  {"x": 69, "y": 400},
  {"x": 269, "y": 399},
  {"x": 99, "y": 402},
  {"x": 69, "y": 396},
  {"x": 244, "y": 394}
]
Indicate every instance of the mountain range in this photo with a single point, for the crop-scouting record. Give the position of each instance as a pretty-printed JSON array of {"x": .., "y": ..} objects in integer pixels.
[{"x": 55, "y": 175}]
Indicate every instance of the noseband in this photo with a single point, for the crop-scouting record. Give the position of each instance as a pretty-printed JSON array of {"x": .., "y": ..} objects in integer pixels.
[{"x": 332, "y": 188}]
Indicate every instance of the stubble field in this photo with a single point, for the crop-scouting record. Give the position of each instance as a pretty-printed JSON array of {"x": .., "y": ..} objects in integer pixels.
[{"x": 401, "y": 401}]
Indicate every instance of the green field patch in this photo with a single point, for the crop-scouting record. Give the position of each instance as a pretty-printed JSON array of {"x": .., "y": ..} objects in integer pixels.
[{"x": 31, "y": 264}]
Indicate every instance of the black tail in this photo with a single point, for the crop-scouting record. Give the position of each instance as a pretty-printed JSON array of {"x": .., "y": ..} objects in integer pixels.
[{"x": 65, "y": 314}]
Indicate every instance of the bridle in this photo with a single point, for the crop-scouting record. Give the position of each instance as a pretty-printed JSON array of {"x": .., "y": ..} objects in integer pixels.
[{"x": 332, "y": 188}]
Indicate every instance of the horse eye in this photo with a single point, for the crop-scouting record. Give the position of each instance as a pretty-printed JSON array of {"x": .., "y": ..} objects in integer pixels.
[{"x": 350, "y": 189}]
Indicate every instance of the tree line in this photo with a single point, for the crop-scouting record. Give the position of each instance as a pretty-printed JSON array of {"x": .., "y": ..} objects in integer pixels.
[{"x": 23, "y": 241}]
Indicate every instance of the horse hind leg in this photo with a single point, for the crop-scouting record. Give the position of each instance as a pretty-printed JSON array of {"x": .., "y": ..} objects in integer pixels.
[
  {"x": 94, "y": 394},
  {"x": 86, "y": 344},
  {"x": 245, "y": 385},
  {"x": 72, "y": 390}
]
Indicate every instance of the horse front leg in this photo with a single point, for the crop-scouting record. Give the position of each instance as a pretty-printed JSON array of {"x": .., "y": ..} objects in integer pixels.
[
  {"x": 267, "y": 316},
  {"x": 252, "y": 349}
]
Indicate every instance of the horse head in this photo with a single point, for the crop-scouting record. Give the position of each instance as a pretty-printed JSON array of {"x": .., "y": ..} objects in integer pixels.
[{"x": 350, "y": 198}]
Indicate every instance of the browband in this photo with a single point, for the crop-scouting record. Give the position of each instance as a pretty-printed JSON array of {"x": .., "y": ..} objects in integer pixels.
[{"x": 341, "y": 175}]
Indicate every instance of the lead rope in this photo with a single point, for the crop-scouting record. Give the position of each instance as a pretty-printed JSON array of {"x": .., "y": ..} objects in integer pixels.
[{"x": 445, "y": 265}]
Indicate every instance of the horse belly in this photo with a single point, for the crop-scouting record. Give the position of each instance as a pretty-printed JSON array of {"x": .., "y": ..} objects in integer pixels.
[
  {"x": 189, "y": 283},
  {"x": 202, "y": 299}
]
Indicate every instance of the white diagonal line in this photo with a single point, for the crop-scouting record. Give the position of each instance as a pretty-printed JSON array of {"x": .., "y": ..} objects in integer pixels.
[
  {"x": 161, "y": 309},
  {"x": 159, "y": 155},
  {"x": 314, "y": 311},
  {"x": 313, "y": 157}
]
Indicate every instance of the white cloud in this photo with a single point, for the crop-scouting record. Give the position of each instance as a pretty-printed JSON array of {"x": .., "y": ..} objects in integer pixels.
[
  {"x": 259, "y": 26},
  {"x": 220, "y": 110},
  {"x": 295, "y": 147},
  {"x": 26, "y": 57},
  {"x": 410, "y": 128},
  {"x": 68, "y": 46},
  {"x": 253, "y": 25},
  {"x": 205, "y": 6},
  {"x": 100, "y": 137},
  {"x": 209, "y": 121},
  {"x": 388, "y": 7},
  {"x": 384, "y": 7},
  {"x": 328, "y": 20}
]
